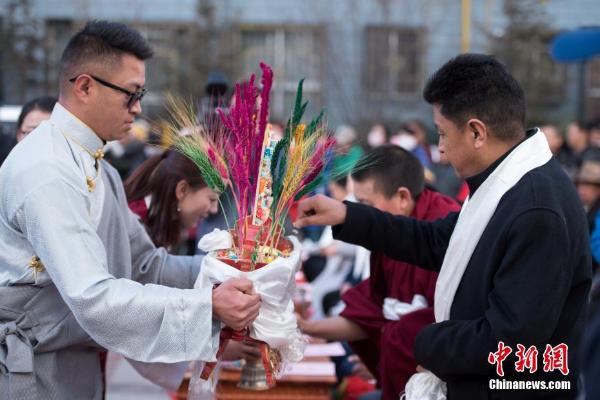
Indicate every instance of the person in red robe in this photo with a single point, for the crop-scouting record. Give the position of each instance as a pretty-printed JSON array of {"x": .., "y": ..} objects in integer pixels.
[{"x": 390, "y": 179}]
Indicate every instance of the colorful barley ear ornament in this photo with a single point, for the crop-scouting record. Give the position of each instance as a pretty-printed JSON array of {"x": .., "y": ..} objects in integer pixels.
[{"x": 261, "y": 177}]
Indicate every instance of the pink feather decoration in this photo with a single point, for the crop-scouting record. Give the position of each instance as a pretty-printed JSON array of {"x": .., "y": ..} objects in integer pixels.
[{"x": 242, "y": 125}]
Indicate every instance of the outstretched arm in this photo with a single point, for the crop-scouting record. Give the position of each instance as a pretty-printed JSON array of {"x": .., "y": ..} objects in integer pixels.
[
  {"x": 335, "y": 328},
  {"x": 405, "y": 239}
]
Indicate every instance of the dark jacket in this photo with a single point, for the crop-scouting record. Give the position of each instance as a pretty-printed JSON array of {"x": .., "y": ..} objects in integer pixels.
[
  {"x": 388, "y": 351},
  {"x": 526, "y": 283}
]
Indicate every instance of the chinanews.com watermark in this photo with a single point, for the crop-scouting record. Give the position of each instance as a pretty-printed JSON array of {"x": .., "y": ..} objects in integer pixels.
[
  {"x": 503, "y": 384},
  {"x": 554, "y": 358}
]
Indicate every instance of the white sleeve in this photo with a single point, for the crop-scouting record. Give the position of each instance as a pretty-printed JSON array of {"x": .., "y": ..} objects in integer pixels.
[{"x": 149, "y": 323}]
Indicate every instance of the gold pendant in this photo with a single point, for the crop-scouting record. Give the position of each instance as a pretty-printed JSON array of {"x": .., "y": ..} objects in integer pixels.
[
  {"x": 36, "y": 265},
  {"x": 90, "y": 184}
]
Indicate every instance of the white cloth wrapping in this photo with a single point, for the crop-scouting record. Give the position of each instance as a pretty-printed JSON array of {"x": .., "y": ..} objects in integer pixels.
[
  {"x": 472, "y": 221},
  {"x": 275, "y": 283},
  {"x": 424, "y": 386},
  {"x": 216, "y": 240},
  {"x": 394, "y": 309}
]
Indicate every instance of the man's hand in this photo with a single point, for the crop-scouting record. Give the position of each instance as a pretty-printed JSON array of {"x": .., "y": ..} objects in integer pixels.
[
  {"x": 304, "y": 325},
  {"x": 329, "y": 251},
  {"x": 320, "y": 210},
  {"x": 421, "y": 369},
  {"x": 236, "y": 350},
  {"x": 235, "y": 303},
  {"x": 345, "y": 287}
]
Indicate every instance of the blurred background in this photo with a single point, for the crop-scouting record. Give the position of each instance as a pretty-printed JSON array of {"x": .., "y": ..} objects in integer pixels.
[{"x": 363, "y": 60}]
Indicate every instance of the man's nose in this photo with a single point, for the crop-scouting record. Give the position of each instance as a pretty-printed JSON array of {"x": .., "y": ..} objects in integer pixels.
[{"x": 136, "y": 108}]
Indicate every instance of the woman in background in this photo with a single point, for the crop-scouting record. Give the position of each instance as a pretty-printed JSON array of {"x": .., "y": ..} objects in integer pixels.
[
  {"x": 32, "y": 114},
  {"x": 169, "y": 195}
]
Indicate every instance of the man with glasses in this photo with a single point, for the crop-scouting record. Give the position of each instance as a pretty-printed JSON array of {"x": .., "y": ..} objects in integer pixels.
[
  {"x": 132, "y": 97},
  {"x": 77, "y": 269}
]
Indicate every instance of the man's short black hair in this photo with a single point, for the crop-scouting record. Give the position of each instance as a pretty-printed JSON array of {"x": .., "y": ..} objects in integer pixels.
[
  {"x": 479, "y": 86},
  {"x": 101, "y": 42},
  {"x": 391, "y": 167}
]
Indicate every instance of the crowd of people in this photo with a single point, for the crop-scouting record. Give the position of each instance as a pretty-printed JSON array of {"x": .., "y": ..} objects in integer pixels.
[{"x": 437, "y": 263}]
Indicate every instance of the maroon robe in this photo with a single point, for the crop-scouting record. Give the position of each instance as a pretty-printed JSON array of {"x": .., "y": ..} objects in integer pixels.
[{"x": 388, "y": 353}]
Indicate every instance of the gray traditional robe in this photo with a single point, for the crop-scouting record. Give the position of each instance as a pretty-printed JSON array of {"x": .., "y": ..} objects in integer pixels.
[{"x": 103, "y": 282}]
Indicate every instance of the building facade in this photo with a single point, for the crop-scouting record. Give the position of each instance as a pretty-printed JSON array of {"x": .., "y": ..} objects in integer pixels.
[{"x": 362, "y": 60}]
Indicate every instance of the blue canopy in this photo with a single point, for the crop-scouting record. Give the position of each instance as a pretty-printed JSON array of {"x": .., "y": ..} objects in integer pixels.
[{"x": 576, "y": 45}]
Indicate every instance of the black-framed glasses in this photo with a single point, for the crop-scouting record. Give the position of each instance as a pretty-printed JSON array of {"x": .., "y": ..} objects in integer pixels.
[{"x": 133, "y": 97}]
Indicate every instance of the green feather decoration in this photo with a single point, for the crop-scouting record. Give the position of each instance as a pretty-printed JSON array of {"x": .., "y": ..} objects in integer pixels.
[
  {"x": 314, "y": 124},
  {"x": 193, "y": 145},
  {"x": 211, "y": 177}
]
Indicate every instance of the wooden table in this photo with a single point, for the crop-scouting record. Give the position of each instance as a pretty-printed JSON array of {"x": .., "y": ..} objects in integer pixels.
[{"x": 289, "y": 387}]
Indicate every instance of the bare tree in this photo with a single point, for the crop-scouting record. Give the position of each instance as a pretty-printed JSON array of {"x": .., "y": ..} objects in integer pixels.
[
  {"x": 185, "y": 53},
  {"x": 22, "y": 43},
  {"x": 524, "y": 48}
]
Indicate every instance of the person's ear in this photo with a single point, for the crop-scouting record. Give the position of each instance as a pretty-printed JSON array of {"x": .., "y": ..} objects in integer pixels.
[
  {"x": 403, "y": 200},
  {"x": 181, "y": 189},
  {"x": 478, "y": 131},
  {"x": 82, "y": 88}
]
